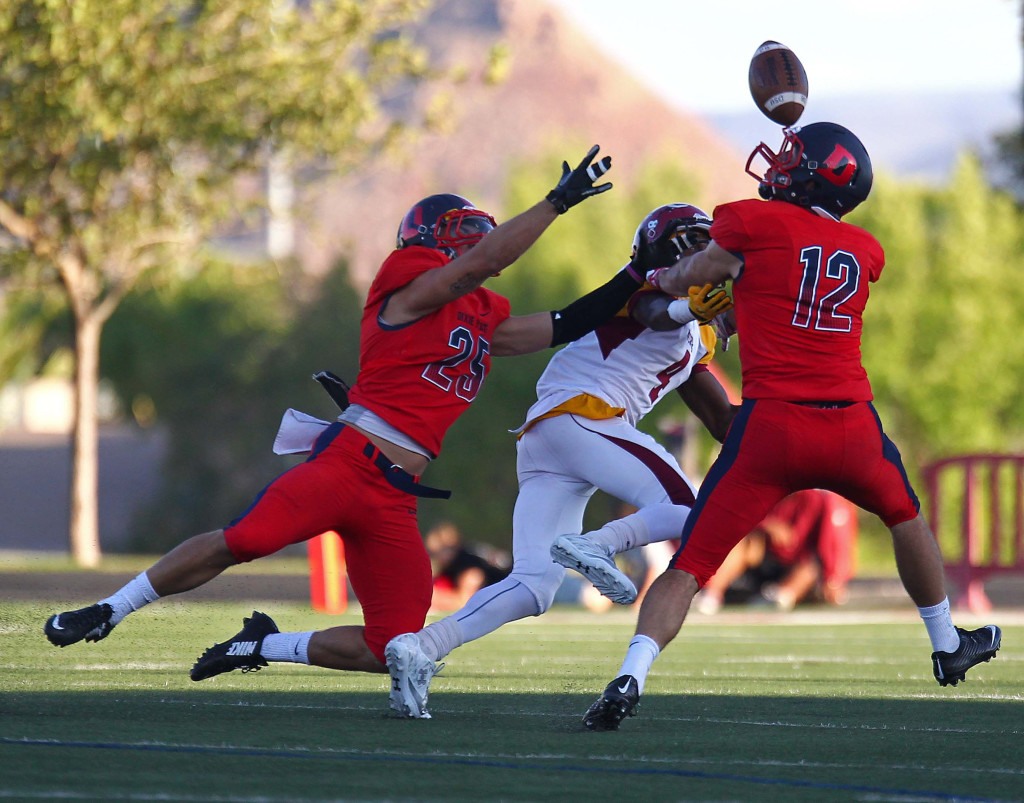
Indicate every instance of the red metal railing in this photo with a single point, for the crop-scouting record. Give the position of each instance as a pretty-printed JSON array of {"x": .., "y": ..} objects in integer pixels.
[{"x": 987, "y": 493}]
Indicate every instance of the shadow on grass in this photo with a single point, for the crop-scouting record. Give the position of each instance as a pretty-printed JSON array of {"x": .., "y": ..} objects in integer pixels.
[{"x": 296, "y": 745}]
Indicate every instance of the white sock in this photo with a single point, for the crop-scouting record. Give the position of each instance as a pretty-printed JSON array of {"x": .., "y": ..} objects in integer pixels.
[
  {"x": 939, "y": 623},
  {"x": 291, "y": 648},
  {"x": 439, "y": 638},
  {"x": 131, "y": 597},
  {"x": 641, "y": 654},
  {"x": 621, "y": 534},
  {"x": 658, "y": 522}
]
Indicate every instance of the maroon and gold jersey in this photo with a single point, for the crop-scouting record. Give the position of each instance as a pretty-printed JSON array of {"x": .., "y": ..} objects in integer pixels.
[
  {"x": 421, "y": 376},
  {"x": 800, "y": 298}
]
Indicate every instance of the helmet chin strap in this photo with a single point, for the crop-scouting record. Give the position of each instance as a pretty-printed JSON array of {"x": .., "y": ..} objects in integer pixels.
[{"x": 822, "y": 212}]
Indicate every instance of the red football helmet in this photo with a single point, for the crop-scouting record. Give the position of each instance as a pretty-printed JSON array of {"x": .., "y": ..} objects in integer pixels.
[
  {"x": 444, "y": 222},
  {"x": 669, "y": 231},
  {"x": 821, "y": 164}
]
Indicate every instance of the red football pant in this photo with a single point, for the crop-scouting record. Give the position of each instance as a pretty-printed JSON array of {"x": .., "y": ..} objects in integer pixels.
[
  {"x": 775, "y": 448},
  {"x": 340, "y": 489}
]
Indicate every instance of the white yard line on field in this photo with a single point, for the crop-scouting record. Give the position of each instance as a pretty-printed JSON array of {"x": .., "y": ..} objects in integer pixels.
[{"x": 774, "y": 723}]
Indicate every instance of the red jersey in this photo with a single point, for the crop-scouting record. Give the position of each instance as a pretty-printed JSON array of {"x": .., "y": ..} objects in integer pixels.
[
  {"x": 421, "y": 376},
  {"x": 800, "y": 299}
]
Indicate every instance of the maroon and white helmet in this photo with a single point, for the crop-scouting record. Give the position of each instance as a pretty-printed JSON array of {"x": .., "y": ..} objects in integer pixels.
[
  {"x": 443, "y": 222},
  {"x": 667, "y": 233}
]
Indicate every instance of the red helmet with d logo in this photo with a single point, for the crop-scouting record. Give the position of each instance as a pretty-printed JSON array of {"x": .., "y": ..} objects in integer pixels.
[
  {"x": 444, "y": 222},
  {"x": 821, "y": 164}
]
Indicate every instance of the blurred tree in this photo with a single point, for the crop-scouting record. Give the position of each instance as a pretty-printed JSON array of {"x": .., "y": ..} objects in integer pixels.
[
  {"x": 939, "y": 335},
  {"x": 126, "y": 126},
  {"x": 216, "y": 361},
  {"x": 1010, "y": 144},
  {"x": 33, "y": 323}
]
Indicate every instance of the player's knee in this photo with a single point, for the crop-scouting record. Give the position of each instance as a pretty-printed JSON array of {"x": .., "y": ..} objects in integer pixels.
[
  {"x": 543, "y": 582},
  {"x": 215, "y": 549}
]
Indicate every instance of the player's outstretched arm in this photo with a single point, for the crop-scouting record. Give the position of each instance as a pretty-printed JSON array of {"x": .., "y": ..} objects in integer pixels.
[
  {"x": 707, "y": 400},
  {"x": 500, "y": 247},
  {"x": 523, "y": 334},
  {"x": 713, "y": 265},
  {"x": 529, "y": 333}
]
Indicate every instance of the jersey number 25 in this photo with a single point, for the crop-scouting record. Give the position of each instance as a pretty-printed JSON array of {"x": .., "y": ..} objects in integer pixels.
[{"x": 450, "y": 372}]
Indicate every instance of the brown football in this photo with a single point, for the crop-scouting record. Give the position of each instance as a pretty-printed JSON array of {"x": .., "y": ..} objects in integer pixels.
[{"x": 778, "y": 83}]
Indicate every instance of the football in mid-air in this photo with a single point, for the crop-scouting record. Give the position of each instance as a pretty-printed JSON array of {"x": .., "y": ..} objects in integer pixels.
[{"x": 778, "y": 83}]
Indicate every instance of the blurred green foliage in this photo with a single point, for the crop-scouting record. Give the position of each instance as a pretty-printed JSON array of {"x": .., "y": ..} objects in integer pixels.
[
  {"x": 126, "y": 125},
  {"x": 940, "y": 332},
  {"x": 133, "y": 130},
  {"x": 216, "y": 361}
]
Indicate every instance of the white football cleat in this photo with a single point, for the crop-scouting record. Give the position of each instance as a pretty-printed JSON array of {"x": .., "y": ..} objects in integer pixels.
[
  {"x": 411, "y": 672},
  {"x": 595, "y": 562}
]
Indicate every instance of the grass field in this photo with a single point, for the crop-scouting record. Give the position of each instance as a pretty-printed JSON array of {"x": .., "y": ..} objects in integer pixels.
[{"x": 740, "y": 707}]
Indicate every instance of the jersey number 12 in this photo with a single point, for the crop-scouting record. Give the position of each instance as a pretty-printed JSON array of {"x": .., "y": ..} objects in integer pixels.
[{"x": 824, "y": 313}]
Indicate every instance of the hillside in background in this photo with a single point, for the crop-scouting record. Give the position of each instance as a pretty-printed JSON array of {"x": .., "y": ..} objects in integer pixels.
[{"x": 559, "y": 95}]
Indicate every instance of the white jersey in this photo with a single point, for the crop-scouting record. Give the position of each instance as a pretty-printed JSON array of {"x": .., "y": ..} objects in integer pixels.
[
  {"x": 580, "y": 437},
  {"x": 624, "y": 364}
]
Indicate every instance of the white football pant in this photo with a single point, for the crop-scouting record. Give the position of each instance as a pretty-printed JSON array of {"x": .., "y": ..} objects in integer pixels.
[{"x": 561, "y": 462}]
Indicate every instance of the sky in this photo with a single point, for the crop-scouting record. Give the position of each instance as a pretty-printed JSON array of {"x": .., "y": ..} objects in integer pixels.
[{"x": 695, "y": 53}]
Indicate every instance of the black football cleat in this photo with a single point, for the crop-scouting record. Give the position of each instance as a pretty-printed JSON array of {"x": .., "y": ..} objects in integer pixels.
[
  {"x": 975, "y": 647},
  {"x": 621, "y": 698},
  {"x": 241, "y": 651},
  {"x": 70, "y": 627}
]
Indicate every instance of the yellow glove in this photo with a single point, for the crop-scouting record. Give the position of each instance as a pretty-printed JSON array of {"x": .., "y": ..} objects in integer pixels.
[{"x": 708, "y": 301}]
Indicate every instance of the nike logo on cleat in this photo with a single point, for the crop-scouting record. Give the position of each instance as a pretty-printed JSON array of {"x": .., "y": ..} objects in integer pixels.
[
  {"x": 624, "y": 688},
  {"x": 242, "y": 648},
  {"x": 55, "y": 624}
]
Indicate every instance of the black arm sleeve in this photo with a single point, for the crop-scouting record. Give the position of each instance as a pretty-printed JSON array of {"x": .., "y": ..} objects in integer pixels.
[{"x": 588, "y": 312}]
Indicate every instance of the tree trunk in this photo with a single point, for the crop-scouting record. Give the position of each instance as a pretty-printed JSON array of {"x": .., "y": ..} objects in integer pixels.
[{"x": 84, "y": 533}]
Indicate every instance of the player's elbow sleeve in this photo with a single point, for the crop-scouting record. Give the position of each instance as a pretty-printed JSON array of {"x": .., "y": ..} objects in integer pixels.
[{"x": 590, "y": 311}]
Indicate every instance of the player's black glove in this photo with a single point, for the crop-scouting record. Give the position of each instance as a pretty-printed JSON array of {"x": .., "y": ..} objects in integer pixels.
[{"x": 578, "y": 185}]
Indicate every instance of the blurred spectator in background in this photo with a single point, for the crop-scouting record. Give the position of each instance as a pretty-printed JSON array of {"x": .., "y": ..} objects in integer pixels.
[
  {"x": 460, "y": 570},
  {"x": 804, "y": 549}
]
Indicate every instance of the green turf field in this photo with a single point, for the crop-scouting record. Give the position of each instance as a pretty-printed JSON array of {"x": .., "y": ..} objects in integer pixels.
[{"x": 740, "y": 707}]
